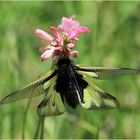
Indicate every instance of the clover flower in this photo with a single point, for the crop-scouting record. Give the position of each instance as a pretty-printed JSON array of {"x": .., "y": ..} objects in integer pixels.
[{"x": 62, "y": 39}]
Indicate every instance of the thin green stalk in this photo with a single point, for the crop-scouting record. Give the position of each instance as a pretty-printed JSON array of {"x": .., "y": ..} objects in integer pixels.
[
  {"x": 42, "y": 128},
  {"x": 12, "y": 122},
  {"x": 38, "y": 127},
  {"x": 24, "y": 118}
]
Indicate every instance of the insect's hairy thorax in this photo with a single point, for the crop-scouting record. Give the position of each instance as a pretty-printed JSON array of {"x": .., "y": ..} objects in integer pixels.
[
  {"x": 69, "y": 82},
  {"x": 63, "y": 67}
]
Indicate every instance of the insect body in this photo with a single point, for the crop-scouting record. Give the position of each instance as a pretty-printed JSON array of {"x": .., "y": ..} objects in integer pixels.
[{"x": 69, "y": 83}]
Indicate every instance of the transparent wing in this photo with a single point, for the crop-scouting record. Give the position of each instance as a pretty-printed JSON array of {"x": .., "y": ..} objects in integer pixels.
[
  {"x": 107, "y": 73},
  {"x": 52, "y": 105},
  {"x": 95, "y": 98},
  {"x": 34, "y": 89}
]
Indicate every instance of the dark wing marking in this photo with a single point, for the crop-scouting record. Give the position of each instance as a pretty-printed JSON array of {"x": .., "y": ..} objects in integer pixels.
[
  {"x": 107, "y": 73},
  {"x": 75, "y": 84},
  {"x": 51, "y": 105},
  {"x": 95, "y": 98},
  {"x": 34, "y": 89}
]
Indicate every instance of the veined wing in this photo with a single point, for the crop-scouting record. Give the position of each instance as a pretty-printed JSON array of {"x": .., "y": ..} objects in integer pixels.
[
  {"x": 95, "y": 98},
  {"x": 52, "y": 105},
  {"x": 103, "y": 73},
  {"x": 34, "y": 89}
]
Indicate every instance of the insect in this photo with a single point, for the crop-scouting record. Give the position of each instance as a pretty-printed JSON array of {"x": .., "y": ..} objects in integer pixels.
[
  {"x": 66, "y": 83},
  {"x": 72, "y": 85}
]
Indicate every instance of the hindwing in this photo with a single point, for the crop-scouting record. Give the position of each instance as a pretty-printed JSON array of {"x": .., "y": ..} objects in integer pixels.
[
  {"x": 52, "y": 105},
  {"x": 95, "y": 98}
]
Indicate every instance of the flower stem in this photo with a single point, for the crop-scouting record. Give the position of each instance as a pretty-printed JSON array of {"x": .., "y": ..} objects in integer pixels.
[
  {"x": 37, "y": 130},
  {"x": 40, "y": 129},
  {"x": 24, "y": 118}
]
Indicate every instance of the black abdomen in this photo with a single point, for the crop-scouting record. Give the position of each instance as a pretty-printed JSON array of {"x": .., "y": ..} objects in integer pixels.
[{"x": 69, "y": 82}]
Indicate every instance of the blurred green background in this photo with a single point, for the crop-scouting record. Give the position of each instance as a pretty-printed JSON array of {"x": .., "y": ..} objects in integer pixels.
[{"x": 114, "y": 41}]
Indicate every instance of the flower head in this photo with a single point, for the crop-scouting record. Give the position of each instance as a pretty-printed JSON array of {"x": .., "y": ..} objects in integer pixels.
[{"x": 62, "y": 38}]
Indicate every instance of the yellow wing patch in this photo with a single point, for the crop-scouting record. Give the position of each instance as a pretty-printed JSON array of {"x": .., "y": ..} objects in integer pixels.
[{"x": 52, "y": 105}]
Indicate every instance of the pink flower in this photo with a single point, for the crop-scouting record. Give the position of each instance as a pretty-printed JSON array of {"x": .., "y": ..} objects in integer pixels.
[
  {"x": 72, "y": 28},
  {"x": 74, "y": 54},
  {"x": 63, "y": 38},
  {"x": 43, "y": 35},
  {"x": 47, "y": 54}
]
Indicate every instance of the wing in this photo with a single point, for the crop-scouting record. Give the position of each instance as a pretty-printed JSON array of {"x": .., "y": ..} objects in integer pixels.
[
  {"x": 107, "y": 73},
  {"x": 52, "y": 105},
  {"x": 34, "y": 89},
  {"x": 95, "y": 98}
]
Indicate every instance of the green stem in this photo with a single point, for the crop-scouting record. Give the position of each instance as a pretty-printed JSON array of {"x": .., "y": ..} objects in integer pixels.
[
  {"x": 37, "y": 130},
  {"x": 42, "y": 128},
  {"x": 24, "y": 118}
]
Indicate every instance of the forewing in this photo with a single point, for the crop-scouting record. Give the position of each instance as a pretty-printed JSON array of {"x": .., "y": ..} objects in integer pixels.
[
  {"x": 51, "y": 105},
  {"x": 34, "y": 89},
  {"x": 107, "y": 73},
  {"x": 95, "y": 98}
]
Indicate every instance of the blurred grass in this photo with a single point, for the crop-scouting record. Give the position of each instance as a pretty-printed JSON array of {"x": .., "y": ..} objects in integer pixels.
[{"x": 114, "y": 41}]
